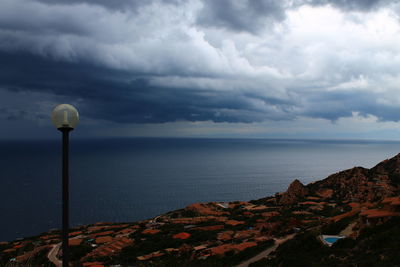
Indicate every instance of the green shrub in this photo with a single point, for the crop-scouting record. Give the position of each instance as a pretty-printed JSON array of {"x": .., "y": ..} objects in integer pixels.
[
  {"x": 336, "y": 227},
  {"x": 394, "y": 178},
  {"x": 77, "y": 252},
  {"x": 345, "y": 243},
  {"x": 260, "y": 263}
]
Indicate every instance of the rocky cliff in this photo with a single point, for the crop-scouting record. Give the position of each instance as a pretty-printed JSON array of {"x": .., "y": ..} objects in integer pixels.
[
  {"x": 295, "y": 192},
  {"x": 360, "y": 184}
]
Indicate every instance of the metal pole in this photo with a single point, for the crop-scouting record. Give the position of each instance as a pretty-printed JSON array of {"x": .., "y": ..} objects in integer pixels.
[{"x": 65, "y": 196}]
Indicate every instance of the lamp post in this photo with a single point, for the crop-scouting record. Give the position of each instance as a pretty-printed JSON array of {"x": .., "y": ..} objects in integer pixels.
[{"x": 65, "y": 117}]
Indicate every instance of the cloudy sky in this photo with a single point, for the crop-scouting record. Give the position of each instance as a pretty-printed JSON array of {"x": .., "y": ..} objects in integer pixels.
[{"x": 202, "y": 68}]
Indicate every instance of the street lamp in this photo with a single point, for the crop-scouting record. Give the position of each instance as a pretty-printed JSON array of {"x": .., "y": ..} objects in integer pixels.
[{"x": 65, "y": 117}]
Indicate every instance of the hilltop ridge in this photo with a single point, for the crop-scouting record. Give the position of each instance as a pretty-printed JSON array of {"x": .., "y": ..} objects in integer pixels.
[
  {"x": 363, "y": 184},
  {"x": 350, "y": 203}
]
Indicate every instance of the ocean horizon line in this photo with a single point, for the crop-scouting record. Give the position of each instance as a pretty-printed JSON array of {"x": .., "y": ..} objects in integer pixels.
[{"x": 105, "y": 138}]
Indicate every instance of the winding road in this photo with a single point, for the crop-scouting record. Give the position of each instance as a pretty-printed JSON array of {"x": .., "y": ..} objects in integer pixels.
[
  {"x": 266, "y": 252},
  {"x": 52, "y": 256}
]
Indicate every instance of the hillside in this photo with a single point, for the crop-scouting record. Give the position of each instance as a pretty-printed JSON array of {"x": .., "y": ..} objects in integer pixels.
[
  {"x": 374, "y": 246},
  {"x": 362, "y": 205}
]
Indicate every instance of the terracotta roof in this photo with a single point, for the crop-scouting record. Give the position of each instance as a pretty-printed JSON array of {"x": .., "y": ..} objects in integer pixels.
[
  {"x": 234, "y": 222},
  {"x": 307, "y": 221},
  {"x": 245, "y": 245},
  {"x": 354, "y": 205},
  {"x": 222, "y": 249},
  {"x": 101, "y": 233},
  {"x": 313, "y": 198},
  {"x": 110, "y": 248},
  {"x": 317, "y": 207},
  {"x": 396, "y": 202},
  {"x": 301, "y": 212},
  {"x": 309, "y": 203},
  {"x": 103, "y": 239},
  {"x": 209, "y": 228},
  {"x": 95, "y": 228},
  {"x": 392, "y": 201},
  {"x": 200, "y": 247},
  {"x": 151, "y": 231},
  {"x": 367, "y": 205},
  {"x": 227, "y": 235},
  {"x": 75, "y": 241},
  {"x": 246, "y": 234},
  {"x": 171, "y": 249},
  {"x": 199, "y": 219},
  {"x": 75, "y": 233},
  {"x": 182, "y": 235},
  {"x": 92, "y": 263},
  {"x": 378, "y": 213},
  {"x": 254, "y": 207},
  {"x": 45, "y": 237},
  {"x": 149, "y": 256},
  {"x": 100, "y": 226},
  {"x": 126, "y": 231}
]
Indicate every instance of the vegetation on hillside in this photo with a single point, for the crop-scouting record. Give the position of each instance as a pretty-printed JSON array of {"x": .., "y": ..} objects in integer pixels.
[{"x": 376, "y": 246}]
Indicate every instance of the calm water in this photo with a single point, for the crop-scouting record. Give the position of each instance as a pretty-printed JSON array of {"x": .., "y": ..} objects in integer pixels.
[
  {"x": 133, "y": 179},
  {"x": 332, "y": 239}
]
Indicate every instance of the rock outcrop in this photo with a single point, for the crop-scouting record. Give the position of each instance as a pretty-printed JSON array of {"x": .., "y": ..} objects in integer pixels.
[{"x": 295, "y": 192}]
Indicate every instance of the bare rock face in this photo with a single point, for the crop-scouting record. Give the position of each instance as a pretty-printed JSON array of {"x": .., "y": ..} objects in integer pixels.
[
  {"x": 357, "y": 184},
  {"x": 389, "y": 166},
  {"x": 295, "y": 192},
  {"x": 360, "y": 184}
]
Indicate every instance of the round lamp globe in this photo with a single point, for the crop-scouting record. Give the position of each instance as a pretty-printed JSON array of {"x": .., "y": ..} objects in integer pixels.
[{"x": 65, "y": 116}]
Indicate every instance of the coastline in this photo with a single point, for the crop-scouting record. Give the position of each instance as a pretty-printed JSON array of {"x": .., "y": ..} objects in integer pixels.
[
  {"x": 238, "y": 231},
  {"x": 151, "y": 177}
]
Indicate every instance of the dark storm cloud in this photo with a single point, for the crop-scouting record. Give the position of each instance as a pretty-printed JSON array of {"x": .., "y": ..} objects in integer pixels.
[
  {"x": 335, "y": 105},
  {"x": 354, "y": 5},
  {"x": 132, "y": 5},
  {"x": 116, "y": 96},
  {"x": 241, "y": 15},
  {"x": 115, "y": 4}
]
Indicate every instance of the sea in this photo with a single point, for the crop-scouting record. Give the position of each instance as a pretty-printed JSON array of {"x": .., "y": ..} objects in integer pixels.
[{"x": 125, "y": 180}]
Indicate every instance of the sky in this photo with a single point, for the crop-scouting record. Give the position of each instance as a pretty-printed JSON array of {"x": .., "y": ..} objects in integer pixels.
[{"x": 319, "y": 69}]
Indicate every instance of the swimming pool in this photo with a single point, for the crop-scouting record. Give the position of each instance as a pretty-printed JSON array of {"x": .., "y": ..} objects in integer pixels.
[{"x": 330, "y": 239}]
